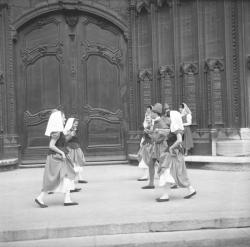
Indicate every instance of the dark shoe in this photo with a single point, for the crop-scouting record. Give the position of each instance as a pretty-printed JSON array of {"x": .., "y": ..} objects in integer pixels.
[
  {"x": 174, "y": 186},
  {"x": 190, "y": 195},
  {"x": 142, "y": 179},
  {"x": 148, "y": 187},
  {"x": 75, "y": 190},
  {"x": 162, "y": 200},
  {"x": 50, "y": 193},
  {"x": 70, "y": 203},
  {"x": 82, "y": 181},
  {"x": 41, "y": 204}
]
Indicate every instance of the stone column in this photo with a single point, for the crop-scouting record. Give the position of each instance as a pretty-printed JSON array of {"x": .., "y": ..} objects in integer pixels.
[{"x": 9, "y": 140}]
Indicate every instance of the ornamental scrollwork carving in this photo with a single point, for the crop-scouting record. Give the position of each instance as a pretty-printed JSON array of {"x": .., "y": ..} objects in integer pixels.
[
  {"x": 189, "y": 68},
  {"x": 213, "y": 64},
  {"x": 37, "y": 118},
  {"x": 91, "y": 113},
  {"x": 145, "y": 74},
  {"x": 166, "y": 71},
  {"x": 113, "y": 55},
  {"x": 29, "y": 56}
]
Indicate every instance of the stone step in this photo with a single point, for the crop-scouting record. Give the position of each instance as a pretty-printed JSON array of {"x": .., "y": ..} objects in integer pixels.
[
  {"x": 123, "y": 228},
  {"x": 8, "y": 163},
  {"x": 239, "y": 237},
  {"x": 209, "y": 159}
]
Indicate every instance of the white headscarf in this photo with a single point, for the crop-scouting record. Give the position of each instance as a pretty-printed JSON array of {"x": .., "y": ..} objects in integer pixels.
[
  {"x": 68, "y": 125},
  {"x": 55, "y": 123},
  {"x": 176, "y": 121},
  {"x": 186, "y": 109}
]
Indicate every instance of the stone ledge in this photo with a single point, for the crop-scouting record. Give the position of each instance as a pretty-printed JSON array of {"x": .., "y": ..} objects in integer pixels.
[
  {"x": 208, "y": 159},
  {"x": 123, "y": 228},
  {"x": 8, "y": 162},
  {"x": 199, "y": 238}
]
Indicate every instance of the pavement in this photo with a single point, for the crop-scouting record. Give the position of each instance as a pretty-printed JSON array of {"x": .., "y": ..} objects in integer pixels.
[{"x": 113, "y": 203}]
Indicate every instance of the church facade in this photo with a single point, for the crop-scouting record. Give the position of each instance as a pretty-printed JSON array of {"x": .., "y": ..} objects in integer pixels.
[{"x": 105, "y": 61}]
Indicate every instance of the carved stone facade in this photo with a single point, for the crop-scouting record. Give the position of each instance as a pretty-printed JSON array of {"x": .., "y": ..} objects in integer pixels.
[{"x": 124, "y": 55}]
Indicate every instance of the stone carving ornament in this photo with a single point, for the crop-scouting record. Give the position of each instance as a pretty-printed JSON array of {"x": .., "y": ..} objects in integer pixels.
[
  {"x": 113, "y": 55},
  {"x": 145, "y": 74},
  {"x": 37, "y": 118},
  {"x": 29, "y": 56}
]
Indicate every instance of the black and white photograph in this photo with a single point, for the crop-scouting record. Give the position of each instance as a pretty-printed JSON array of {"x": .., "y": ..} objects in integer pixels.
[{"x": 124, "y": 123}]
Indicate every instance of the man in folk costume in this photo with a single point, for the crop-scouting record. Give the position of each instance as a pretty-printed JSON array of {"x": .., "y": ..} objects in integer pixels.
[
  {"x": 59, "y": 170},
  {"x": 157, "y": 143},
  {"x": 75, "y": 152},
  {"x": 172, "y": 165}
]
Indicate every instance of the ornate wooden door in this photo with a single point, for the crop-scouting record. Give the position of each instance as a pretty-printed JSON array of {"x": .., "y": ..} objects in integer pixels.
[{"x": 77, "y": 61}]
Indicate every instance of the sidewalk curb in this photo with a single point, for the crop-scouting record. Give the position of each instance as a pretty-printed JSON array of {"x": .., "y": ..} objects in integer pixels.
[{"x": 126, "y": 228}]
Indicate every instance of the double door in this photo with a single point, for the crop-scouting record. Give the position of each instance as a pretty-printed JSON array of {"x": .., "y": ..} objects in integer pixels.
[{"x": 77, "y": 61}]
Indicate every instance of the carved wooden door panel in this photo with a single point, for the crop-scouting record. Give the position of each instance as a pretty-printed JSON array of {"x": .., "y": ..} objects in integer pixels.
[
  {"x": 102, "y": 89},
  {"x": 80, "y": 64},
  {"x": 40, "y": 81}
]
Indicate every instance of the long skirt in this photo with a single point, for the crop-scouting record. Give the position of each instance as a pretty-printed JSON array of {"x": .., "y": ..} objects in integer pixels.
[
  {"x": 173, "y": 170},
  {"x": 77, "y": 156},
  {"x": 187, "y": 138},
  {"x": 58, "y": 174}
]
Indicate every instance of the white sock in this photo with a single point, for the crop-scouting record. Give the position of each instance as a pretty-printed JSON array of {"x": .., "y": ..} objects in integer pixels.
[
  {"x": 145, "y": 173},
  {"x": 191, "y": 189},
  {"x": 40, "y": 197},
  {"x": 165, "y": 190},
  {"x": 165, "y": 196},
  {"x": 80, "y": 177},
  {"x": 67, "y": 198}
]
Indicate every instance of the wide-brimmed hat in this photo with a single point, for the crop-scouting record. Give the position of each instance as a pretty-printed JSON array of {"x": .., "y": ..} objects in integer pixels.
[{"x": 157, "y": 108}]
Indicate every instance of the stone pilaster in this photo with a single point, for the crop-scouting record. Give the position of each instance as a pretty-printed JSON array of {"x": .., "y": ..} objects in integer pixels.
[{"x": 9, "y": 139}]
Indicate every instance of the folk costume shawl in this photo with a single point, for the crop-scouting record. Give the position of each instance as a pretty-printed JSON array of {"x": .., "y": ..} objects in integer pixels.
[
  {"x": 55, "y": 123},
  {"x": 176, "y": 121},
  {"x": 186, "y": 110},
  {"x": 68, "y": 125}
]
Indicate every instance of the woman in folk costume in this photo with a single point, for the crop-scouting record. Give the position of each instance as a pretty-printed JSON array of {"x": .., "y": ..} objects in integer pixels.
[
  {"x": 148, "y": 125},
  {"x": 172, "y": 165},
  {"x": 73, "y": 146},
  {"x": 156, "y": 144},
  {"x": 186, "y": 115},
  {"x": 59, "y": 169}
]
